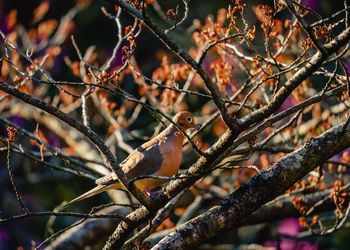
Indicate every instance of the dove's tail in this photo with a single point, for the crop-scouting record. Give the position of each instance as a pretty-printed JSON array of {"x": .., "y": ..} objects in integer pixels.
[{"x": 96, "y": 190}]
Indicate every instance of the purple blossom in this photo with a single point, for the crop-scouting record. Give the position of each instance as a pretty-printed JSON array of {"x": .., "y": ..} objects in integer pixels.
[
  {"x": 4, "y": 238},
  {"x": 313, "y": 4},
  {"x": 290, "y": 227}
]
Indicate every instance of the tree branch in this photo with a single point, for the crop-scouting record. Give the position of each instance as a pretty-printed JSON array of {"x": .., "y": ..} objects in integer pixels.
[
  {"x": 180, "y": 52},
  {"x": 261, "y": 189},
  {"x": 93, "y": 137},
  {"x": 224, "y": 146}
]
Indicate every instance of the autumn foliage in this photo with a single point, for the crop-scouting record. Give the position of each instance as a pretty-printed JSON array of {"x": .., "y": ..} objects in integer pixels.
[{"x": 263, "y": 79}]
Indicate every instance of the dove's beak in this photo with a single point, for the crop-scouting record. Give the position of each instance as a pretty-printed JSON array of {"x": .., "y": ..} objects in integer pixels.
[{"x": 197, "y": 126}]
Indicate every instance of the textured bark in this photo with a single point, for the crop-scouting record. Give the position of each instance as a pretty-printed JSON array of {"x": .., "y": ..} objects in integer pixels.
[
  {"x": 261, "y": 189},
  {"x": 271, "y": 212},
  {"x": 226, "y": 144}
]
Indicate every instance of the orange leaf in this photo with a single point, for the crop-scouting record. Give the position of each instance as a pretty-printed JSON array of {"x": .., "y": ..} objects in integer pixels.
[
  {"x": 40, "y": 11},
  {"x": 11, "y": 19},
  {"x": 46, "y": 28}
]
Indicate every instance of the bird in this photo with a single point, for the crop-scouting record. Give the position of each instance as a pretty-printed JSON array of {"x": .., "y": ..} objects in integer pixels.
[{"x": 160, "y": 156}]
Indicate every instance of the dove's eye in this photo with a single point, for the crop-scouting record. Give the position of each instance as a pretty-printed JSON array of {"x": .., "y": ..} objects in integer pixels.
[{"x": 189, "y": 119}]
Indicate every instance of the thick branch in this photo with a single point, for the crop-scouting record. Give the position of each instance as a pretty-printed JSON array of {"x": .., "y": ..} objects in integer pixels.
[
  {"x": 224, "y": 145},
  {"x": 261, "y": 189},
  {"x": 271, "y": 212}
]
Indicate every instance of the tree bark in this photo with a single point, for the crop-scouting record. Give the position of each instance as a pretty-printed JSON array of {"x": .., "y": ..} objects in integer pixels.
[{"x": 262, "y": 188}]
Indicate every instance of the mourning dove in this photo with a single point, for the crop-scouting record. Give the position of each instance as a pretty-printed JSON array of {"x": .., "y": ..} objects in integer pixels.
[{"x": 161, "y": 156}]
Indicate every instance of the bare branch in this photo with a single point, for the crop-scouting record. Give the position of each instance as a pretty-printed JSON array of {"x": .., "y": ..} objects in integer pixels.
[{"x": 108, "y": 156}]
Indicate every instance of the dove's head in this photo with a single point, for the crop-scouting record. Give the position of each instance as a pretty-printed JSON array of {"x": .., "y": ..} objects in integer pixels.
[{"x": 185, "y": 120}]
